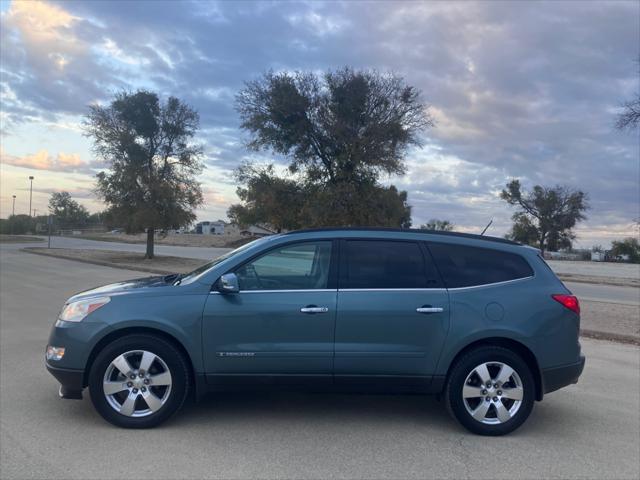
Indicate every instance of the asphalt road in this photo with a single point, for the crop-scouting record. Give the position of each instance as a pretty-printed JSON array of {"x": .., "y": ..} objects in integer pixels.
[
  {"x": 589, "y": 430},
  {"x": 605, "y": 293}
]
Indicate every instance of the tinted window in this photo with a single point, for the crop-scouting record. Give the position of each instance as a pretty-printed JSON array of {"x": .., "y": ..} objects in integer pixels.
[
  {"x": 463, "y": 266},
  {"x": 384, "y": 264},
  {"x": 292, "y": 267}
]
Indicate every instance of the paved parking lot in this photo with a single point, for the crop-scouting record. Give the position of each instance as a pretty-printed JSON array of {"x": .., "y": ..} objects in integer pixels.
[{"x": 589, "y": 430}]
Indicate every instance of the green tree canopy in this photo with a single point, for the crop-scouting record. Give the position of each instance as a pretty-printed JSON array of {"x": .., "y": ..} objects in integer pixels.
[
  {"x": 286, "y": 203},
  {"x": 67, "y": 212},
  {"x": 151, "y": 181},
  {"x": 629, "y": 246},
  {"x": 340, "y": 131},
  {"x": 267, "y": 198},
  {"x": 546, "y": 215}
]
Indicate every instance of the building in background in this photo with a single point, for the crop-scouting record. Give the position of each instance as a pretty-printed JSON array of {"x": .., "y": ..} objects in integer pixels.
[
  {"x": 211, "y": 228},
  {"x": 256, "y": 231}
]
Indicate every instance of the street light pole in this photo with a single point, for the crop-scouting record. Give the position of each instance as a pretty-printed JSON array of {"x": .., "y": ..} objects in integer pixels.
[
  {"x": 30, "y": 193},
  {"x": 13, "y": 213}
]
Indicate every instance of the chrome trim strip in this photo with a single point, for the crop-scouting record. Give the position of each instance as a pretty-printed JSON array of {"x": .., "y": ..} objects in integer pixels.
[
  {"x": 392, "y": 290},
  {"x": 386, "y": 289},
  {"x": 349, "y": 353},
  {"x": 213, "y": 292},
  {"x": 491, "y": 284}
]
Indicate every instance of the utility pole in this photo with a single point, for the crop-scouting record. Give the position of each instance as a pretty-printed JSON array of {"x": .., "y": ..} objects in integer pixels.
[
  {"x": 49, "y": 221},
  {"x": 13, "y": 213},
  {"x": 30, "y": 193}
]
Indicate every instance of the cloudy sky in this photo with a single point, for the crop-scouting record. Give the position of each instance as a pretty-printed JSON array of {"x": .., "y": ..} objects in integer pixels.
[{"x": 518, "y": 89}]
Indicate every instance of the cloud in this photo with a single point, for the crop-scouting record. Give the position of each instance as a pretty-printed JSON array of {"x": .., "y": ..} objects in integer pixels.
[
  {"x": 41, "y": 160},
  {"x": 525, "y": 90}
]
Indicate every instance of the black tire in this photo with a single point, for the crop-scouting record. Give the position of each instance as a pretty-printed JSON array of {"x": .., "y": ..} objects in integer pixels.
[
  {"x": 169, "y": 354},
  {"x": 456, "y": 381}
]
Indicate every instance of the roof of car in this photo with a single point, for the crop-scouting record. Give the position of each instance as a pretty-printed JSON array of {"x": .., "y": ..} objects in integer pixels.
[{"x": 406, "y": 230}]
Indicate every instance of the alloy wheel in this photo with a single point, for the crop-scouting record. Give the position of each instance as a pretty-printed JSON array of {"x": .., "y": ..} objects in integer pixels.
[
  {"x": 492, "y": 393},
  {"x": 137, "y": 383}
]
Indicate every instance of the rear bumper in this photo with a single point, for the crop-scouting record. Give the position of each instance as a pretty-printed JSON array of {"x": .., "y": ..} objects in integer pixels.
[
  {"x": 71, "y": 381},
  {"x": 555, "y": 378}
]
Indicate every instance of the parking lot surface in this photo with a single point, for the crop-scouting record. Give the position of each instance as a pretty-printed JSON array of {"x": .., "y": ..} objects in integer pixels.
[{"x": 589, "y": 430}]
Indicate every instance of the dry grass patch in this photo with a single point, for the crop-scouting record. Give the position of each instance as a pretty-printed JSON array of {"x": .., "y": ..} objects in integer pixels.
[
  {"x": 19, "y": 239},
  {"x": 127, "y": 260}
]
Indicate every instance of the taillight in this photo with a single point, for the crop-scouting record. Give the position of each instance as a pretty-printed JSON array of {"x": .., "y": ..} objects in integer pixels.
[{"x": 568, "y": 301}]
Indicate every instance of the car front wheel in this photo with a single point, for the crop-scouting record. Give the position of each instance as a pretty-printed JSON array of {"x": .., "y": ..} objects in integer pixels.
[
  {"x": 490, "y": 391},
  {"x": 138, "y": 381}
]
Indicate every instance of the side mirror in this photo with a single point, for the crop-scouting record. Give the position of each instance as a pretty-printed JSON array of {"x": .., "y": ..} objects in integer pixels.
[{"x": 228, "y": 283}]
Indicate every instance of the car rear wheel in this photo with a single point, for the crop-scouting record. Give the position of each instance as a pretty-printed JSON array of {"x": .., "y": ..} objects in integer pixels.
[
  {"x": 139, "y": 381},
  {"x": 490, "y": 391}
]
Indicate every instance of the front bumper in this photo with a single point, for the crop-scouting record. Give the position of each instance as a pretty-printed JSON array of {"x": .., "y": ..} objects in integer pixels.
[
  {"x": 78, "y": 339},
  {"x": 557, "y": 377},
  {"x": 71, "y": 381}
]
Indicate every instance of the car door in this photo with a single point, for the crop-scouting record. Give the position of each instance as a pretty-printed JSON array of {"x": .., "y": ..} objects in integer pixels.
[
  {"x": 280, "y": 325},
  {"x": 393, "y": 312}
]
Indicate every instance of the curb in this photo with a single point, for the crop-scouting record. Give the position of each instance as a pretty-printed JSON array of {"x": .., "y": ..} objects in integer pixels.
[
  {"x": 599, "y": 281},
  {"x": 612, "y": 337},
  {"x": 97, "y": 262}
]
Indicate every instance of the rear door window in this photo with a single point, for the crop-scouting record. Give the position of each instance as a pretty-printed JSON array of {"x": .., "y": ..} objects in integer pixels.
[
  {"x": 386, "y": 264},
  {"x": 463, "y": 266}
]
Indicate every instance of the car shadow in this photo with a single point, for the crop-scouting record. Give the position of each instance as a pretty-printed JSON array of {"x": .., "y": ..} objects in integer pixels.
[{"x": 335, "y": 408}]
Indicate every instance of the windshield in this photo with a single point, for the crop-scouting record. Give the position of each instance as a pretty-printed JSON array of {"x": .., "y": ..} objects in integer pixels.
[{"x": 203, "y": 268}]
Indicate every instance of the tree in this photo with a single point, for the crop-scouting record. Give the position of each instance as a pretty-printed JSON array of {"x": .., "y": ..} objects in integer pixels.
[
  {"x": 153, "y": 164},
  {"x": 287, "y": 203},
  {"x": 266, "y": 198},
  {"x": 67, "y": 212},
  {"x": 546, "y": 215},
  {"x": 17, "y": 225},
  {"x": 629, "y": 118},
  {"x": 435, "y": 224},
  {"x": 351, "y": 204},
  {"x": 340, "y": 131},
  {"x": 629, "y": 246}
]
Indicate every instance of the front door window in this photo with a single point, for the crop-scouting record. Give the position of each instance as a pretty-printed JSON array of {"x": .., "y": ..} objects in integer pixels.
[{"x": 302, "y": 266}]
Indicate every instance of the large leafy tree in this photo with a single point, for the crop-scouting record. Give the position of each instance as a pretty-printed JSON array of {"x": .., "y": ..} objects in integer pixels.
[
  {"x": 152, "y": 161},
  {"x": 546, "y": 215},
  {"x": 355, "y": 204},
  {"x": 341, "y": 131},
  {"x": 267, "y": 198},
  {"x": 66, "y": 211}
]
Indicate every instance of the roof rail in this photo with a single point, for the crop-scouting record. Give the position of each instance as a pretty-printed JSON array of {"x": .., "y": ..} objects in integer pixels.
[{"x": 406, "y": 230}]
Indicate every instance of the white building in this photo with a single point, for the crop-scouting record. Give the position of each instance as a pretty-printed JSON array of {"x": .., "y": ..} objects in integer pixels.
[{"x": 210, "y": 228}]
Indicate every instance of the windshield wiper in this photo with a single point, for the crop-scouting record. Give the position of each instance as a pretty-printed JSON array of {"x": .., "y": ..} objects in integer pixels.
[{"x": 172, "y": 278}]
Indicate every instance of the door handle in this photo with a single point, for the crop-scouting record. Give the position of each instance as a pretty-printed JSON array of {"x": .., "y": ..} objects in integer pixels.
[
  {"x": 429, "y": 309},
  {"x": 314, "y": 309}
]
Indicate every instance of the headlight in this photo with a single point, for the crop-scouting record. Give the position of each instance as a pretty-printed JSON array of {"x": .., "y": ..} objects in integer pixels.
[{"x": 76, "y": 311}]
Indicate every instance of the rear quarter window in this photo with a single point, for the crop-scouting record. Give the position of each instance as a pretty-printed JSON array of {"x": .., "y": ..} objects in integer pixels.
[{"x": 463, "y": 266}]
